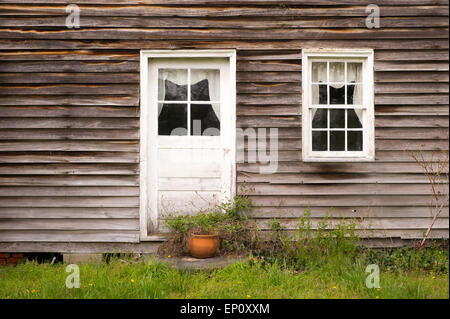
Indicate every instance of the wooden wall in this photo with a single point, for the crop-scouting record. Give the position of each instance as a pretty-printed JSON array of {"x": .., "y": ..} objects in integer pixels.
[{"x": 69, "y": 109}]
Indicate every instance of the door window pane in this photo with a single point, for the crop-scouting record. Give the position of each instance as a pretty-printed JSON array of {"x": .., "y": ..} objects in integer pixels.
[
  {"x": 205, "y": 85},
  {"x": 172, "y": 119},
  {"x": 205, "y": 119},
  {"x": 172, "y": 85},
  {"x": 199, "y": 111}
]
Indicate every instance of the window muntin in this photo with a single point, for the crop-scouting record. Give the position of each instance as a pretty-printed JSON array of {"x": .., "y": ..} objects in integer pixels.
[
  {"x": 189, "y": 102},
  {"x": 338, "y": 106}
]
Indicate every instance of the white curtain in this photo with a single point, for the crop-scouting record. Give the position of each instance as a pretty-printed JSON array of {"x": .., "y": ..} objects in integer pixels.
[
  {"x": 354, "y": 74},
  {"x": 180, "y": 77}
]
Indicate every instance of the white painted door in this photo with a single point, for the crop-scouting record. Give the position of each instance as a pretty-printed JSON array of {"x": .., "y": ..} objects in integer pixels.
[{"x": 191, "y": 136}]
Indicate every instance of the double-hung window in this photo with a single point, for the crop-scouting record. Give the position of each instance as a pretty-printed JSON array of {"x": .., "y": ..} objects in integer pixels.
[{"x": 338, "y": 105}]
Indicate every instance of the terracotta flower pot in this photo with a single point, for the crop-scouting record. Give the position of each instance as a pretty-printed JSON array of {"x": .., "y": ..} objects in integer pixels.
[{"x": 203, "y": 246}]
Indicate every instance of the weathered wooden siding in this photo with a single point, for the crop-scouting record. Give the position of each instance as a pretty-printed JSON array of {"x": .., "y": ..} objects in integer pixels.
[{"x": 69, "y": 109}]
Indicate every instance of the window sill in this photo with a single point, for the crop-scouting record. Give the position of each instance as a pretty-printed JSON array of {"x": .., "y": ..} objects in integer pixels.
[{"x": 338, "y": 159}]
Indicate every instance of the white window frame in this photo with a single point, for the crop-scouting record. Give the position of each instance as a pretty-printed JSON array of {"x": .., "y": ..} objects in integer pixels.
[
  {"x": 148, "y": 125},
  {"x": 353, "y": 55}
]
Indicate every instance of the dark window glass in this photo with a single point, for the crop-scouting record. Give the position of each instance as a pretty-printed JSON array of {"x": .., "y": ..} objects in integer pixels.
[
  {"x": 319, "y": 140},
  {"x": 337, "y": 118},
  {"x": 337, "y": 141},
  {"x": 350, "y": 93},
  {"x": 337, "y": 95},
  {"x": 175, "y": 92},
  {"x": 355, "y": 141},
  {"x": 320, "y": 118},
  {"x": 200, "y": 91},
  {"x": 353, "y": 120},
  {"x": 205, "y": 85},
  {"x": 323, "y": 94},
  {"x": 204, "y": 118},
  {"x": 173, "y": 117}
]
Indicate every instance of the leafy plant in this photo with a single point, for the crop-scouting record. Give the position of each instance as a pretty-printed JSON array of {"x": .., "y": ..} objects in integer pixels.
[
  {"x": 434, "y": 258},
  {"x": 314, "y": 246},
  {"x": 228, "y": 219}
]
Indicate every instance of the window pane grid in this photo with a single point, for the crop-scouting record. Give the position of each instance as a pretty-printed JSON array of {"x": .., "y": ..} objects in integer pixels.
[
  {"x": 328, "y": 84},
  {"x": 338, "y": 105},
  {"x": 329, "y": 130},
  {"x": 343, "y": 95},
  {"x": 188, "y": 102}
]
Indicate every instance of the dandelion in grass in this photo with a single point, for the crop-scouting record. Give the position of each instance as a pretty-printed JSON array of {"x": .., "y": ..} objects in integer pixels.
[
  {"x": 132, "y": 280},
  {"x": 248, "y": 296}
]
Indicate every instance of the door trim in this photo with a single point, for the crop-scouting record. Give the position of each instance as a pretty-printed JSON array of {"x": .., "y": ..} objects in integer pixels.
[{"x": 147, "y": 203}]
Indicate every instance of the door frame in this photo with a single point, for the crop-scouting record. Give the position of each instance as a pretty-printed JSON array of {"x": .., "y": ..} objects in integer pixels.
[{"x": 148, "y": 208}]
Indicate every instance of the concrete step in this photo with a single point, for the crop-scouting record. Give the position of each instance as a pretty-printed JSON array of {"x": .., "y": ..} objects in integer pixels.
[{"x": 192, "y": 263}]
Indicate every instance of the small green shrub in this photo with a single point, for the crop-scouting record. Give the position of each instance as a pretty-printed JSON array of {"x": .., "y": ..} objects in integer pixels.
[
  {"x": 308, "y": 246},
  {"x": 228, "y": 219},
  {"x": 432, "y": 258}
]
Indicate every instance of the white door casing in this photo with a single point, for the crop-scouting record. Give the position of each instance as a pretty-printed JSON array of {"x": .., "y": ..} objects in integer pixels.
[{"x": 179, "y": 173}]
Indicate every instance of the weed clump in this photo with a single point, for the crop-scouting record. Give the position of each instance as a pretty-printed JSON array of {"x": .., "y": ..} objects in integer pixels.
[
  {"x": 238, "y": 234},
  {"x": 311, "y": 246}
]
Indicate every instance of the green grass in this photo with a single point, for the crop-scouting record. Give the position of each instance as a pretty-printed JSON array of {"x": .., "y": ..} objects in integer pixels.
[{"x": 251, "y": 279}]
